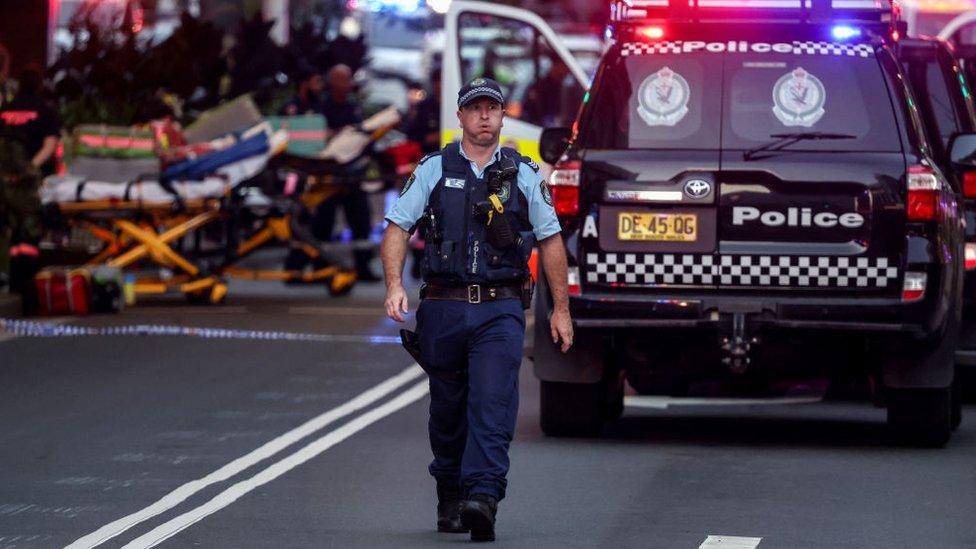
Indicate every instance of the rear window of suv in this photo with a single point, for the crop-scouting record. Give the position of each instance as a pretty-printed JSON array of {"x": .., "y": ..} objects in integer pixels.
[{"x": 739, "y": 100}]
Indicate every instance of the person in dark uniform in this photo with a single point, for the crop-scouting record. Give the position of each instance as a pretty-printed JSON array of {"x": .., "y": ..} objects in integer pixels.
[
  {"x": 308, "y": 99},
  {"x": 341, "y": 109},
  {"x": 423, "y": 123},
  {"x": 30, "y": 116},
  {"x": 29, "y": 130},
  {"x": 471, "y": 321}
]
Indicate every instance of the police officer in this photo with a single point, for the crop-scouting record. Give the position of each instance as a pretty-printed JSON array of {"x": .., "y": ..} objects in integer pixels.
[{"x": 471, "y": 322}]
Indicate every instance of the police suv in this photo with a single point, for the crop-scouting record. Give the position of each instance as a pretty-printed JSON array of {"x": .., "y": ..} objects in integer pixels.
[{"x": 750, "y": 197}]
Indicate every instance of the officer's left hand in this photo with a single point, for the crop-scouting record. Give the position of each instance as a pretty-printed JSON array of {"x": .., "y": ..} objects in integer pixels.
[
  {"x": 396, "y": 303},
  {"x": 561, "y": 326}
]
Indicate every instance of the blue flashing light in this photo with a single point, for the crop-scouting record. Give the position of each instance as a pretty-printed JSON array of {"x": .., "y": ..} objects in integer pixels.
[{"x": 845, "y": 32}]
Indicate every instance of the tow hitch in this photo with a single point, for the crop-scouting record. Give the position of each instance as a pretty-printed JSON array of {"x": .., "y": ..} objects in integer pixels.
[{"x": 737, "y": 346}]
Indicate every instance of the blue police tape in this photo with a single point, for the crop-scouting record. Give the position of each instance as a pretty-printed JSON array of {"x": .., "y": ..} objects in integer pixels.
[{"x": 28, "y": 328}]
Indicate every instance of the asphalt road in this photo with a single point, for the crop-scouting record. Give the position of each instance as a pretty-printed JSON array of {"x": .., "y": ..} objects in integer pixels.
[{"x": 194, "y": 442}]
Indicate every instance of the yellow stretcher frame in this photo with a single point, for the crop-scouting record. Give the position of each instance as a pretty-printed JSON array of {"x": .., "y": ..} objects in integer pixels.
[{"x": 127, "y": 242}]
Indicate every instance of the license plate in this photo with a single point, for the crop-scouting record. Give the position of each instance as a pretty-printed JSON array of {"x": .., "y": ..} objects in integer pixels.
[{"x": 657, "y": 227}]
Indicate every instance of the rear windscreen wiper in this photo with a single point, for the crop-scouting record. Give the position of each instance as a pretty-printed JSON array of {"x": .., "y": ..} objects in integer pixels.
[{"x": 786, "y": 139}]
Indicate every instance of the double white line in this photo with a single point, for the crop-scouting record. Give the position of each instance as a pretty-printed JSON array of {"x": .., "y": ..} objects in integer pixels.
[{"x": 223, "y": 499}]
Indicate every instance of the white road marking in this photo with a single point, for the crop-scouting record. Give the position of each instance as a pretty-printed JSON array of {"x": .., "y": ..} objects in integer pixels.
[
  {"x": 729, "y": 542},
  {"x": 174, "y": 526},
  {"x": 663, "y": 402},
  {"x": 265, "y": 451}
]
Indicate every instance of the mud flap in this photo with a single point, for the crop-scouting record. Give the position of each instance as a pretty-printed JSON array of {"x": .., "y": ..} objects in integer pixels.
[{"x": 583, "y": 363}]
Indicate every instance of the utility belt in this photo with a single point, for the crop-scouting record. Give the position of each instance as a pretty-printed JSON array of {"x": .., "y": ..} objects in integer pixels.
[{"x": 480, "y": 293}]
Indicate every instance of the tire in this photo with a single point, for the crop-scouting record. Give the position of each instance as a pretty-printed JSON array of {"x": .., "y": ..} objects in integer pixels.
[
  {"x": 572, "y": 409},
  {"x": 614, "y": 398},
  {"x": 920, "y": 417},
  {"x": 926, "y": 417}
]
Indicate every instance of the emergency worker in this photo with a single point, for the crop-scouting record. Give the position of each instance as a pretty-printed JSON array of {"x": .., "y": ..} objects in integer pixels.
[
  {"x": 484, "y": 208},
  {"x": 29, "y": 130}
]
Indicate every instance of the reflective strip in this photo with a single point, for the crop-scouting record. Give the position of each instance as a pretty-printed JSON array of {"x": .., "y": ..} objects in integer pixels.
[{"x": 27, "y": 328}]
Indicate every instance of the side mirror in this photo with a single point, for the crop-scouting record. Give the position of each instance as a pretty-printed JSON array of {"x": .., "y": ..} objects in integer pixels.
[
  {"x": 962, "y": 149},
  {"x": 553, "y": 143}
]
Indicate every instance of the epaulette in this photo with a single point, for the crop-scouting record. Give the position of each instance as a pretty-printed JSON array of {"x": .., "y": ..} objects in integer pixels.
[
  {"x": 428, "y": 157},
  {"x": 531, "y": 163}
]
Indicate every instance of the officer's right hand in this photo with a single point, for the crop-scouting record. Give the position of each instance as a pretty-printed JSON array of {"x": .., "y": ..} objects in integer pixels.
[{"x": 396, "y": 303}]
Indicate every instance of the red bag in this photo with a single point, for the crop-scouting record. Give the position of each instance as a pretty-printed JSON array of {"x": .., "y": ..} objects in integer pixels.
[{"x": 63, "y": 292}]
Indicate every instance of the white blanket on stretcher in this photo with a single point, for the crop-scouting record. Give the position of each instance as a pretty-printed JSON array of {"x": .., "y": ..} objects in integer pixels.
[{"x": 65, "y": 188}]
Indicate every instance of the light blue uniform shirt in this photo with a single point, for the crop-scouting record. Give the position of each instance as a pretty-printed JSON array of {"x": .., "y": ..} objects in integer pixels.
[{"x": 411, "y": 204}]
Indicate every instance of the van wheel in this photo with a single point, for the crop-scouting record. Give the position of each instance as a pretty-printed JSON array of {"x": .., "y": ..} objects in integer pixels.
[
  {"x": 571, "y": 409},
  {"x": 920, "y": 417}
]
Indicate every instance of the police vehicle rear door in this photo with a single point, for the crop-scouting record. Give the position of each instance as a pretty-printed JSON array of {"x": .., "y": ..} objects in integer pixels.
[
  {"x": 744, "y": 164},
  {"x": 519, "y": 50},
  {"x": 812, "y": 211}
]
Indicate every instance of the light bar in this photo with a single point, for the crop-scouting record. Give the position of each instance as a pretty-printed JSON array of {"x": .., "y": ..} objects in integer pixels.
[
  {"x": 844, "y": 32},
  {"x": 801, "y": 10}
]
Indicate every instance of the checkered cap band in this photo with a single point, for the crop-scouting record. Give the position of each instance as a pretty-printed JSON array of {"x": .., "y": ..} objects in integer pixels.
[
  {"x": 740, "y": 270},
  {"x": 481, "y": 91}
]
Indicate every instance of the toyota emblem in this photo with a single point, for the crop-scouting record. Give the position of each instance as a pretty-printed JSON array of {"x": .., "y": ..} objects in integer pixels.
[{"x": 698, "y": 188}]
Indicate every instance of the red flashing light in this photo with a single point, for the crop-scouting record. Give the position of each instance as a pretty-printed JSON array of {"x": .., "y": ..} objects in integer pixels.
[{"x": 653, "y": 33}]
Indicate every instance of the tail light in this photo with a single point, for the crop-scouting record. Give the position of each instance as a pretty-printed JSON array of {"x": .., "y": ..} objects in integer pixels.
[
  {"x": 969, "y": 258},
  {"x": 564, "y": 185},
  {"x": 969, "y": 184},
  {"x": 913, "y": 288},
  {"x": 573, "y": 281},
  {"x": 923, "y": 194}
]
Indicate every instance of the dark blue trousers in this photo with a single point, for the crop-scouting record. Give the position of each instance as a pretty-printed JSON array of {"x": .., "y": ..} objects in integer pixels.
[{"x": 472, "y": 422}]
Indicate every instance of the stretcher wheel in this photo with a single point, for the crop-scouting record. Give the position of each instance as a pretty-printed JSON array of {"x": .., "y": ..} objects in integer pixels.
[
  {"x": 213, "y": 295},
  {"x": 218, "y": 294},
  {"x": 341, "y": 283}
]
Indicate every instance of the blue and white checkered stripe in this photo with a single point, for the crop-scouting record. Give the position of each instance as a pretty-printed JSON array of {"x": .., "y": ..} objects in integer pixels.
[
  {"x": 739, "y": 270},
  {"x": 481, "y": 90},
  {"x": 798, "y": 48}
]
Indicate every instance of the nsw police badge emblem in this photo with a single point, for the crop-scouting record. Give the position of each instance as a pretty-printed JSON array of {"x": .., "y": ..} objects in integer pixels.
[
  {"x": 663, "y": 98},
  {"x": 798, "y": 98}
]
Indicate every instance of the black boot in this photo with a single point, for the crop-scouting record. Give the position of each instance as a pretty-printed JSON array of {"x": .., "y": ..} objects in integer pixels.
[
  {"x": 449, "y": 511},
  {"x": 478, "y": 515}
]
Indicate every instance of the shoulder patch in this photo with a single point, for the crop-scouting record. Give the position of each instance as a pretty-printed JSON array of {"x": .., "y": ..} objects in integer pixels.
[
  {"x": 428, "y": 157},
  {"x": 546, "y": 194},
  {"x": 531, "y": 163},
  {"x": 408, "y": 183}
]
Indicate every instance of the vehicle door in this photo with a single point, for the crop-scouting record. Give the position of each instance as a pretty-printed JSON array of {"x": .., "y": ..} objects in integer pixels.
[
  {"x": 946, "y": 105},
  {"x": 542, "y": 82}
]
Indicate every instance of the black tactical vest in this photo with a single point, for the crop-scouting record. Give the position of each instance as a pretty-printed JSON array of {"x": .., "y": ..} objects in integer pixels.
[{"x": 457, "y": 251}]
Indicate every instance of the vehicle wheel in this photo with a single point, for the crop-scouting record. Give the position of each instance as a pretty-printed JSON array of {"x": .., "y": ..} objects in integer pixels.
[
  {"x": 571, "y": 409},
  {"x": 920, "y": 417},
  {"x": 614, "y": 397}
]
